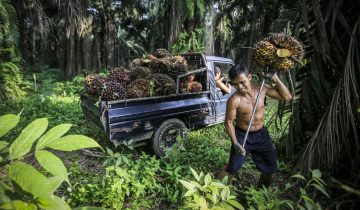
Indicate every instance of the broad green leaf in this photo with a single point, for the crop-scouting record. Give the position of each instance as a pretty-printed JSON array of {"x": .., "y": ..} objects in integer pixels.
[
  {"x": 225, "y": 180},
  {"x": 298, "y": 176},
  {"x": 29, "y": 179},
  {"x": 8, "y": 122},
  {"x": 207, "y": 179},
  {"x": 52, "y": 164},
  {"x": 186, "y": 184},
  {"x": 218, "y": 184},
  {"x": 54, "y": 203},
  {"x": 109, "y": 151},
  {"x": 224, "y": 194},
  {"x": 3, "y": 144},
  {"x": 283, "y": 53},
  {"x": 17, "y": 205},
  {"x": 52, "y": 135},
  {"x": 73, "y": 142},
  {"x": 28, "y": 136},
  {"x": 316, "y": 173},
  {"x": 55, "y": 182},
  {"x": 195, "y": 174},
  {"x": 321, "y": 189},
  {"x": 227, "y": 206},
  {"x": 89, "y": 208},
  {"x": 235, "y": 204},
  {"x": 189, "y": 193},
  {"x": 302, "y": 191}
]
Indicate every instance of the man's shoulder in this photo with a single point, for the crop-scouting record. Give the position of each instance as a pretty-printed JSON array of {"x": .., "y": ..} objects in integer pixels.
[{"x": 234, "y": 98}]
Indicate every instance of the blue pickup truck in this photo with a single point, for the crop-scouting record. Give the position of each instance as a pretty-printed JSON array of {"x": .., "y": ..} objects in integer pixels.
[{"x": 159, "y": 120}]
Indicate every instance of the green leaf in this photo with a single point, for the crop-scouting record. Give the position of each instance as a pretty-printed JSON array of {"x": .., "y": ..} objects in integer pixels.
[
  {"x": 8, "y": 122},
  {"x": 3, "y": 144},
  {"x": 195, "y": 174},
  {"x": 189, "y": 193},
  {"x": 217, "y": 184},
  {"x": 302, "y": 191},
  {"x": 186, "y": 184},
  {"x": 29, "y": 179},
  {"x": 109, "y": 151},
  {"x": 235, "y": 204},
  {"x": 89, "y": 208},
  {"x": 226, "y": 206},
  {"x": 55, "y": 182},
  {"x": 207, "y": 179},
  {"x": 316, "y": 173},
  {"x": 298, "y": 176},
  {"x": 54, "y": 203},
  {"x": 321, "y": 189},
  {"x": 73, "y": 142},
  {"x": 17, "y": 205},
  {"x": 52, "y": 135},
  {"x": 28, "y": 136},
  {"x": 52, "y": 164}
]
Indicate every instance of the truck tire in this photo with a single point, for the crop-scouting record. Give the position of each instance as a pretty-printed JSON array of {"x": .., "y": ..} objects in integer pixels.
[{"x": 166, "y": 134}]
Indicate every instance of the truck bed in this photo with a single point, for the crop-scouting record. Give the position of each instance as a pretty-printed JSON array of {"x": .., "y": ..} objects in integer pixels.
[{"x": 137, "y": 118}]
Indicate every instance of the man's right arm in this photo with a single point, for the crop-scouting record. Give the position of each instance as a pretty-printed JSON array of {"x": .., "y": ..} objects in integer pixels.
[
  {"x": 231, "y": 108},
  {"x": 230, "y": 116}
]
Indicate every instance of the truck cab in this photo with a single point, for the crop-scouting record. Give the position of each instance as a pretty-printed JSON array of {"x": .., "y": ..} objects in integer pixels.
[{"x": 159, "y": 120}]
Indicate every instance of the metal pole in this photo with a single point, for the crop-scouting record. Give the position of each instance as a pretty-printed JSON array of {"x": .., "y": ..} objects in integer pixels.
[{"x": 253, "y": 112}]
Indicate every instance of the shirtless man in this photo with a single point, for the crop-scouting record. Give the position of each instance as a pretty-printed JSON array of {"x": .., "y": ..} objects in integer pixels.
[{"x": 239, "y": 108}]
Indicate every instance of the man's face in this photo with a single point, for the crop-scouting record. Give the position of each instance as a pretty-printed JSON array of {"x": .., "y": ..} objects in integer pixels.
[{"x": 242, "y": 83}]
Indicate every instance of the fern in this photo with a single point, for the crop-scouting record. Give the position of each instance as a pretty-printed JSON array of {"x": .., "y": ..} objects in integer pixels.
[{"x": 10, "y": 79}]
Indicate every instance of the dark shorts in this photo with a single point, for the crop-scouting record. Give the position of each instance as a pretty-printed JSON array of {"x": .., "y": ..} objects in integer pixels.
[{"x": 259, "y": 145}]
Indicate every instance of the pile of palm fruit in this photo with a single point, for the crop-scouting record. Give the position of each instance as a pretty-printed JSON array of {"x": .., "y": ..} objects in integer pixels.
[
  {"x": 154, "y": 75},
  {"x": 279, "y": 51}
]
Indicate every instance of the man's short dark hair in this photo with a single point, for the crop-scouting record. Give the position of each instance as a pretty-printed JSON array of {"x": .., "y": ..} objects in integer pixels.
[{"x": 238, "y": 69}]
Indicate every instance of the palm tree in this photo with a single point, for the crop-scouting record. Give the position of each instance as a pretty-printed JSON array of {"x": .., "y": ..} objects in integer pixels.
[{"x": 327, "y": 88}]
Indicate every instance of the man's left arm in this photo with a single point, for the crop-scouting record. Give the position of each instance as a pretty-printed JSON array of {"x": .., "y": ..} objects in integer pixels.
[{"x": 280, "y": 91}]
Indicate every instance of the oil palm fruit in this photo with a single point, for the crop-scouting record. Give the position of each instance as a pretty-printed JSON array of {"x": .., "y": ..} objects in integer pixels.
[
  {"x": 195, "y": 87},
  {"x": 94, "y": 85},
  {"x": 139, "y": 88},
  {"x": 113, "y": 91},
  {"x": 279, "y": 51},
  {"x": 162, "y": 53},
  {"x": 121, "y": 75},
  {"x": 163, "y": 84},
  {"x": 139, "y": 72}
]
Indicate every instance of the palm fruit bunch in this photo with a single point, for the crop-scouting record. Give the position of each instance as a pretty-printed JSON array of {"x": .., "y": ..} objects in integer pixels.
[
  {"x": 195, "y": 87},
  {"x": 163, "y": 84},
  {"x": 162, "y": 53},
  {"x": 94, "y": 85},
  {"x": 265, "y": 54},
  {"x": 139, "y": 88},
  {"x": 139, "y": 72},
  {"x": 113, "y": 91},
  {"x": 160, "y": 66},
  {"x": 279, "y": 51},
  {"x": 121, "y": 75}
]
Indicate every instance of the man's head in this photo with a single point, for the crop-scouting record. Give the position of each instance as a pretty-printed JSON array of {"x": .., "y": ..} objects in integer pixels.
[{"x": 240, "y": 78}]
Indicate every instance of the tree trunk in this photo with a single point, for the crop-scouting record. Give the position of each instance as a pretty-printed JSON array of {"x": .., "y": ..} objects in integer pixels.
[
  {"x": 70, "y": 56},
  {"x": 173, "y": 26}
]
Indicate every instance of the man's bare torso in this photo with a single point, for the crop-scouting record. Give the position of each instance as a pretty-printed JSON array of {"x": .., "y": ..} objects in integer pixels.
[{"x": 245, "y": 105}]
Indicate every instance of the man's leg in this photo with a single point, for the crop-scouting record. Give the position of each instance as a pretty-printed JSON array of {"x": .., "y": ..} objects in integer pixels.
[
  {"x": 221, "y": 175},
  {"x": 265, "y": 179}
]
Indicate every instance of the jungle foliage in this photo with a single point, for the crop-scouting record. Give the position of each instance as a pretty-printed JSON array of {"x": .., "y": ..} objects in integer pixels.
[{"x": 47, "y": 46}]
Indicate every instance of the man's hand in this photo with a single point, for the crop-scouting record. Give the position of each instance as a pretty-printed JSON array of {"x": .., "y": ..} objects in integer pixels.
[
  {"x": 268, "y": 75},
  {"x": 239, "y": 149}
]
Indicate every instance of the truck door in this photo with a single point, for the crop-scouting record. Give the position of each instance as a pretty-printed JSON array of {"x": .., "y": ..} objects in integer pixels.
[{"x": 220, "y": 97}]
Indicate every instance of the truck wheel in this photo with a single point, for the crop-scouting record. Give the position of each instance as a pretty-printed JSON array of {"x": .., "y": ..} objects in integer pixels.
[{"x": 166, "y": 134}]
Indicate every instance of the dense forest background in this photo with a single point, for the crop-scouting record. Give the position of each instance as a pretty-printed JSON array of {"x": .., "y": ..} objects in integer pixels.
[{"x": 84, "y": 36}]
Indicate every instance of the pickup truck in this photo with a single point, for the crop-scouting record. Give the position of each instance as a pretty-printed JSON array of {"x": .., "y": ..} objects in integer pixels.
[{"x": 160, "y": 120}]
